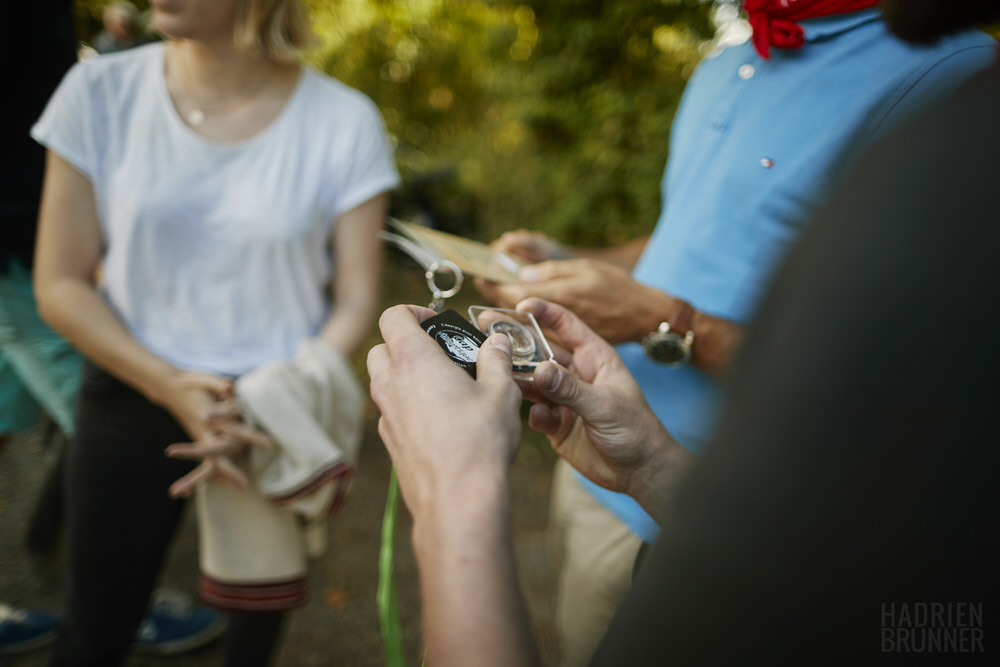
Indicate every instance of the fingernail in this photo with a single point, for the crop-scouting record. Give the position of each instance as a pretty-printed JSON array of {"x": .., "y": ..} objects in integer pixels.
[
  {"x": 502, "y": 342},
  {"x": 529, "y": 274},
  {"x": 548, "y": 376}
]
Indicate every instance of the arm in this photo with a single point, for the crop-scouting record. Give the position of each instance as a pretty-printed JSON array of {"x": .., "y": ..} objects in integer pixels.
[
  {"x": 66, "y": 260},
  {"x": 617, "y": 307},
  {"x": 358, "y": 260},
  {"x": 452, "y": 440},
  {"x": 472, "y": 607},
  {"x": 358, "y": 254}
]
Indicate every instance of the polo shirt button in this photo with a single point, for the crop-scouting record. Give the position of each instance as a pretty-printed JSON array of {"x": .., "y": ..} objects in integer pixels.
[{"x": 746, "y": 71}]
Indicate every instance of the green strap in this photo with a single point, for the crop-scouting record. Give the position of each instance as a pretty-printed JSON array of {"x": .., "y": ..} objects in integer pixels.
[{"x": 385, "y": 598}]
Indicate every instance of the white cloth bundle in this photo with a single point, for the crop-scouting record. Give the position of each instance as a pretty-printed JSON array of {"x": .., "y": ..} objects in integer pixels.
[{"x": 255, "y": 542}]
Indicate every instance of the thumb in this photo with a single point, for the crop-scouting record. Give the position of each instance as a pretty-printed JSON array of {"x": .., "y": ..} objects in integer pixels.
[
  {"x": 493, "y": 363},
  {"x": 560, "y": 387}
]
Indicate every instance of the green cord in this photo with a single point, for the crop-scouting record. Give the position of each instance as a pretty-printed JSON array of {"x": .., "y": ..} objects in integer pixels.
[{"x": 388, "y": 609}]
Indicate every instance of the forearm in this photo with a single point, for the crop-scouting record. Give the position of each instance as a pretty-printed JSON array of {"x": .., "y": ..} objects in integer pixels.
[
  {"x": 349, "y": 324},
  {"x": 358, "y": 259},
  {"x": 716, "y": 342},
  {"x": 473, "y": 610},
  {"x": 625, "y": 255},
  {"x": 73, "y": 307}
]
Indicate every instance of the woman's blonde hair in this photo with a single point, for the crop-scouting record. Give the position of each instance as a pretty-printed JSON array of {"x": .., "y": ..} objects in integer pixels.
[{"x": 275, "y": 29}]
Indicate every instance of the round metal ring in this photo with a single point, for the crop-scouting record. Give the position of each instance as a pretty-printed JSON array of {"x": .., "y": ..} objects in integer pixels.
[{"x": 431, "y": 275}]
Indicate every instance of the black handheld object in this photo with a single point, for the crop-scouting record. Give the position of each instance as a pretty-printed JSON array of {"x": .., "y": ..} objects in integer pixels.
[
  {"x": 457, "y": 337},
  {"x": 461, "y": 339}
]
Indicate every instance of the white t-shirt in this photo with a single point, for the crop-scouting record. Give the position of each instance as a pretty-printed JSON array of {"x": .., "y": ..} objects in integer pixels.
[{"x": 216, "y": 255}]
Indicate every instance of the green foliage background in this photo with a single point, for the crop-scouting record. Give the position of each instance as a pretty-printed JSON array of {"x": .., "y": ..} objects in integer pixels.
[{"x": 553, "y": 114}]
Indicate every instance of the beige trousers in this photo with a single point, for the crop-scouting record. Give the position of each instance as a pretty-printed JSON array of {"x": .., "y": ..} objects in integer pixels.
[{"x": 598, "y": 554}]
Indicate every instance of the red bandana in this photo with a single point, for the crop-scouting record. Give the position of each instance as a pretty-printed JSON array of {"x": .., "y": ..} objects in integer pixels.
[{"x": 774, "y": 21}]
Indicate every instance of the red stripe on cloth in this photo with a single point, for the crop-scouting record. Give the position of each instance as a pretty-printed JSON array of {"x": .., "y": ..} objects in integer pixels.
[
  {"x": 341, "y": 469},
  {"x": 276, "y": 596}
]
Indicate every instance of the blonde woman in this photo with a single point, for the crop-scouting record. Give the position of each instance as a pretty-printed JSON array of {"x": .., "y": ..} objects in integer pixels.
[{"x": 233, "y": 197}]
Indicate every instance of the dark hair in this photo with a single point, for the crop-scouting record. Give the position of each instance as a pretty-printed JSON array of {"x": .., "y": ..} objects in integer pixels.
[{"x": 927, "y": 21}]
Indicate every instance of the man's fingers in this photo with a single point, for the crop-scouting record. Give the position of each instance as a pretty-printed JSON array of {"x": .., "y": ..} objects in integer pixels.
[
  {"x": 543, "y": 419},
  {"x": 378, "y": 365},
  {"x": 398, "y": 322},
  {"x": 520, "y": 243},
  {"x": 505, "y": 295},
  {"x": 560, "y": 387},
  {"x": 570, "y": 329},
  {"x": 560, "y": 354},
  {"x": 493, "y": 363},
  {"x": 552, "y": 269},
  {"x": 487, "y": 288}
]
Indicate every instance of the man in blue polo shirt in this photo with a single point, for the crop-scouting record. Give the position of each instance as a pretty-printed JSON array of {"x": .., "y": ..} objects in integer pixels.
[{"x": 763, "y": 132}]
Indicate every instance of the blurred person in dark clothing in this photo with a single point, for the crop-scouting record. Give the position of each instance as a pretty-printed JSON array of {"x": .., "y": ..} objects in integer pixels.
[
  {"x": 38, "y": 370},
  {"x": 121, "y": 28}
]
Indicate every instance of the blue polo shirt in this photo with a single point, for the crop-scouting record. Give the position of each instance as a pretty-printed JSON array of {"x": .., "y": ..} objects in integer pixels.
[{"x": 755, "y": 148}]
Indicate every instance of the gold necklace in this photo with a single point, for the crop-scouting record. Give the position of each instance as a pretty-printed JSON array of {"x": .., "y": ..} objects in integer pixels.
[{"x": 197, "y": 116}]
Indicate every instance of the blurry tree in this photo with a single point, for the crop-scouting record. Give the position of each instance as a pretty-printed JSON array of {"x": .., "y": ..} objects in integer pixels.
[
  {"x": 554, "y": 113},
  {"x": 605, "y": 79}
]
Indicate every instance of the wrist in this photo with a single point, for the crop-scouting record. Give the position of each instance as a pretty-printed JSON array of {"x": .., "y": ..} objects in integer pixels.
[
  {"x": 659, "y": 307},
  {"x": 671, "y": 342},
  {"x": 656, "y": 477},
  {"x": 158, "y": 383},
  {"x": 466, "y": 503}
]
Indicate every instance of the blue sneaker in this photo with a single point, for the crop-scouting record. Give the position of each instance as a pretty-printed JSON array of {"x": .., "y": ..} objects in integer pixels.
[
  {"x": 25, "y": 629},
  {"x": 174, "y": 624}
]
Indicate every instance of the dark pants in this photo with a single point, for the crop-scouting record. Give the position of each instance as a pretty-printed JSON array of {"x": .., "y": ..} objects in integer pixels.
[{"x": 120, "y": 522}]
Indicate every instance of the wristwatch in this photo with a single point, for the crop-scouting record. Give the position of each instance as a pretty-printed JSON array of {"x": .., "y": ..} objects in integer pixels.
[{"x": 671, "y": 343}]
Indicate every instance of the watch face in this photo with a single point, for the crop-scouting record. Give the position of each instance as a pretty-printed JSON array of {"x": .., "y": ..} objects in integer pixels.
[{"x": 668, "y": 350}]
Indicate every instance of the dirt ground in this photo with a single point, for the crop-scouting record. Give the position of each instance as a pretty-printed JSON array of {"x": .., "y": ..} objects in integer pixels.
[{"x": 339, "y": 626}]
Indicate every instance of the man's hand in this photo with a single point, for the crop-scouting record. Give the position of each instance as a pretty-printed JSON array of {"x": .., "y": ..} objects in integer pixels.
[
  {"x": 601, "y": 294},
  {"x": 529, "y": 246},
  {"x": 597, "y": 418},
  {"x": 452, "y": 440},
  {"x": 443, "y": 429}
]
